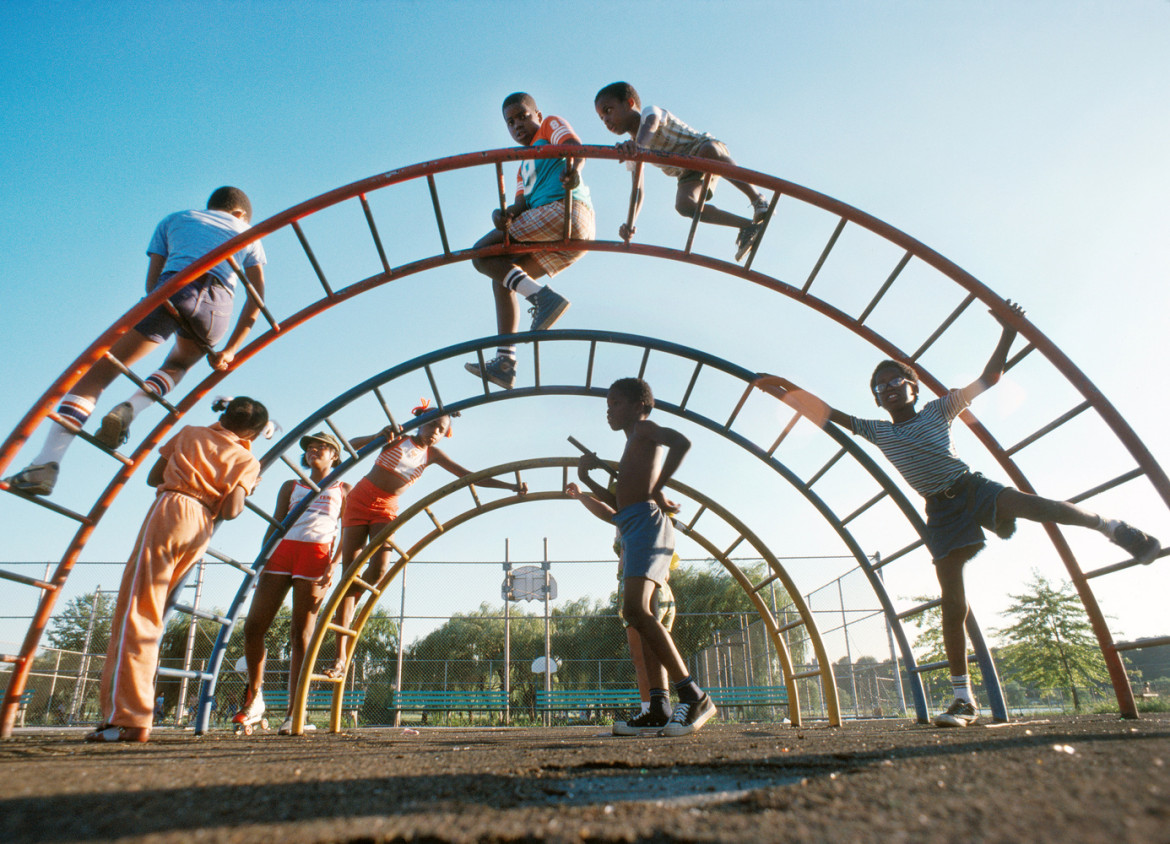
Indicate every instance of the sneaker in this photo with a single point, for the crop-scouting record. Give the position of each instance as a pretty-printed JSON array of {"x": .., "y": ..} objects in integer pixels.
[
  {"x": 286, "y": 727},
  {"x": 110, "y": 733},
  {"x": 759, "y": 209},
  {"x": 500, "y": 371},
  {"x": 547, "y": 307},
  {"x": 689, "y": 716},
  {"x": 252, "y": 713},
  {"x": 115, "y": 429},
  {"x": 38, "y": 479},
  {"x": 644, "y": 723},
  {"x": 1144, "y": 548},
  {"x": 310, "y": 726},
  {"x": 960, "y": 714},
  {"x": 747, "y": 238}
]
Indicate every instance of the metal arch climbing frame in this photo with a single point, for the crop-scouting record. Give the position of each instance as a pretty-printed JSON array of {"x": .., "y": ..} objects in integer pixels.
[
  {"x": 1094, "y": 400},
  {"x": 350, "y": 578},
  {"x": 694, "y": 360}
]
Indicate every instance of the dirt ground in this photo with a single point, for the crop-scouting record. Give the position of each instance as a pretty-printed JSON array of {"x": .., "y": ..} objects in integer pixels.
[{"x": 1088, "y": 778}]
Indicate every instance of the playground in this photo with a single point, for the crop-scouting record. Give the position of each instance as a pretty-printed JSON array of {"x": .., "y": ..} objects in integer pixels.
[{"x": 1085, "y": 778}]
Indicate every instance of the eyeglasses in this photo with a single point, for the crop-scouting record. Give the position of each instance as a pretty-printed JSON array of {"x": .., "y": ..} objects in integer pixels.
[{"x": 894, "y": 383}]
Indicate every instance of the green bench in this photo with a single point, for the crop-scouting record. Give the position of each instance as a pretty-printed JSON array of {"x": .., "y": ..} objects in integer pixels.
[
  {"x": 562, "y": 700},
  {"x": 451, "y": 700},
  {"x": 22, "y": 706},
  {"x": 276, "y": 701}
]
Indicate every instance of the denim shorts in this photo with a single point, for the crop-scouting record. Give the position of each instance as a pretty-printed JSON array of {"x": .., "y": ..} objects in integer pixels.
[
  {"x": 647, "y": 541},
  {"x": 955, "y": 517},
  {"x": 205, "y": 306}
]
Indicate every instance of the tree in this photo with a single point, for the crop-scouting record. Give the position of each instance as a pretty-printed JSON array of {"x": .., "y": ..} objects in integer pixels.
[
  {"x": 69, "y": 626},
  {"x": 1052, "y": 643}
]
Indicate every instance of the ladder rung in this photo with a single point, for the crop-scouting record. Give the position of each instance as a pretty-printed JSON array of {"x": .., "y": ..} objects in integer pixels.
[
  {"x": 764, "y": 223},
  {"x": 438, "y": 213},
  {"x": 48, "y": 505},
  {"x": 296, "y": 226},
  {"x": 732, "y": 546},
  {"x": 790, "y": 625},
  {"x": 767, "y": 581},
  {"x": 930, "y": 666},
  {"x": 190, "y": 674},
  {"x": 921, "y": 608},
  {"x": 70, "y": 426},
  {"x": 367, "y": 586},
  {"x": 946, "y": 323},
  {"x": 1124, "y": 564},
  {"x": 210, "y": 616},
  {"x": 438, "y": 525},
  {"x": 305, "y": 479},
  {"x": 344, "y": 631},
  {"x": 344, "y": 442},
  {"x": 885, "y": 561},
  {"x": 824, "y": 255},
  {"x": 1108, "y": 485},
  {"x": 325, "y": 678},
  {"x": 886, "y": 286},
  {"x": 691, "y": 386},
  {"x": 27, "y": 581},
  {"x": 374, "y": 233},
  {"x": 864, "y": 507},
  {"x": 1018, "y": 356},
  {"x": 254, "y": 295},
  {"x": 1049, "y": 428},
  {"x": 155, "y": 397},
  {"x": 264, "y": 514},
  {"x": 787, "y": 430},
  {"x": 224, "y": 558},
  {"x": 807, "y": 675},
  {"x": 1155, "y": 642},
  {"x": 698, "y": 213},
  {"x": 9, "y": 658},
  {"x": 702, "y": 509},
  {"x": 738, "y": 407},
  {"x": 809, "y": 483}
]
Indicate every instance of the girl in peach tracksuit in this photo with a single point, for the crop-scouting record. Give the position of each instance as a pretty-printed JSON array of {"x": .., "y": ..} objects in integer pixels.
[{"x": 203, "y": 473}]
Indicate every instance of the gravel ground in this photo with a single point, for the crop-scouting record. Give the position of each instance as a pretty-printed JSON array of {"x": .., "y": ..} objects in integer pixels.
[{"x": 1069, "y": 779}]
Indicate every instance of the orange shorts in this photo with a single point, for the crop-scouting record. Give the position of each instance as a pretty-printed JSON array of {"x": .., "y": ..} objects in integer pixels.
[
  {"x": 368, "y": 504},
  {"x": 308, "y": 560}
]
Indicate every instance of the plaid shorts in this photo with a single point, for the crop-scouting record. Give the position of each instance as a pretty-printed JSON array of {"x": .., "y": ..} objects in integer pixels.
[{"x": 547, "y": 222}]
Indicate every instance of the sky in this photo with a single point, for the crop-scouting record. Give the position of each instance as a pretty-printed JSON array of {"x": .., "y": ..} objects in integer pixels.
[{"x": 1023, "y": 141}]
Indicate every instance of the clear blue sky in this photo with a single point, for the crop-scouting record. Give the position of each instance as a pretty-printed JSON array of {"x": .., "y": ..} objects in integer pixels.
[{"x": 1026, "y": 142}]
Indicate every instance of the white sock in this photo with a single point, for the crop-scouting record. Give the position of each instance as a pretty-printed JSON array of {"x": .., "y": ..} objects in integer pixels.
[
  {"x": 76, "y": 409},
  {"x": 520, "y": 282},
  {"x": 962, "y": 687},
  {"x": 506, "y": 352},
  {"x": 158, "y": 384}
]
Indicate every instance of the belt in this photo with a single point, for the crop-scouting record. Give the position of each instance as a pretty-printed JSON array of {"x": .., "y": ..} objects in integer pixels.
[{"x": 956, "y": 487}]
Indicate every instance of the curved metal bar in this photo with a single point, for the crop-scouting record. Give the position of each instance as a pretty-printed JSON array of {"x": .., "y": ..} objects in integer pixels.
[
  {"x": 357, "y": 190},
  {"x": 372, "y": 385},
  {"x": 365, "y": 608}
]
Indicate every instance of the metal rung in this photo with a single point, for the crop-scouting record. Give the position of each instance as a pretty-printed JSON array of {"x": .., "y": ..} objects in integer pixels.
[
  {"x": 766, "y": 582},
  {"x": 1108, "y": 485},
  {"x": 808, "y": 484},
  {"x": 645, "y": 360},
  {"x": 787, "y": 430},
  {"x": 344, "y": 441},
  {"x": 475, "y": 495},
  {"x": 807, "y": 675},
  {"x": 296, "y": 226},
  {"x": 70, "y": 426},
  {"x": 224, "y": 558},
  {"x": 1049, "y": 428},
  {"x": 1018, "y": 356},
  {"x": 885, "y": 561},
  {"x": 886, "y": 286},
  {"x": 864, "y": 507},
  {"x": 305, "y": 479},
  {"x": 738, "y": 407},
  {"x": 27, "y": 581},
  {"x": 210, "y": 616},
  {"x": 732, "y": 547},
  {"x": 125, "y": 370},
  {"x": 374, "y": 232},
  {"x": 698, "y": 213},
  {"x": 690, "y": 386},
  {"x": 427, "y": 510},
  {"x": 189, "y": 673},
  {"x": 764, "y": 223},
  {"x": 254, "y": 294},
  {"x": 1125, "y": 564},
  {"x": 325, "y": 678},
  {"x": 10, "y": 658},
  {"x": 262, "y": 513},
  {"x": 702, "y": 509},
  {"x": 824, "y": 255},
  {"x": 48, "y": 505},
  {"x": 790, "y": 625},
  {"x": 386, "y": 409},
  {"x": 921, "y": 608},
  {"x": 438, "y": 213},
  {"x": 1142, "y": 643},
  {"x": 344, "y": 631},
  {"x": 945, "y": 325},
  {"x": 930, "y": 666},
  {"x": 535, "y": 366},
  {"x": 367, "y": 586}
]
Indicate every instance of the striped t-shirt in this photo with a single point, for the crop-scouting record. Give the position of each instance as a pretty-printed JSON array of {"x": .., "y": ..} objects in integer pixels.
[{"x": 921, "y": 448}]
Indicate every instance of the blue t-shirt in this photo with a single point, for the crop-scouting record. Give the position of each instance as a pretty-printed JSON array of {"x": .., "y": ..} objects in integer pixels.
[
  {"x": 540, "y": 180},
  {"x": 185, "y": 236}
]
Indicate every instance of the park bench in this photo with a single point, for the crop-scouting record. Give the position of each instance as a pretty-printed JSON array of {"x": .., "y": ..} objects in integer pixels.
[
  {"x": 276, "y": 700},
  {"x": 565, "y": 700},
  {"x": 25, "y": 699},
  {"x": 451, "y": 700}
]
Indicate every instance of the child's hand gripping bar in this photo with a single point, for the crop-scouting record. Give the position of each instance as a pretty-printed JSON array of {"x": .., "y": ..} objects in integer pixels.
[{"x": 593, "y": 454}]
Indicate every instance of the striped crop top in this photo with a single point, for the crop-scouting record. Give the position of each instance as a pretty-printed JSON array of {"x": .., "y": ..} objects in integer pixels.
[{"x": 404, "y": 458}]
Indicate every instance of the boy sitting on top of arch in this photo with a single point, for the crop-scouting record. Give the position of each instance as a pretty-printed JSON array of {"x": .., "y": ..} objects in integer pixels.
[
  {"x": 657, "y": 130},
  {"x": 959, "y": 502}
]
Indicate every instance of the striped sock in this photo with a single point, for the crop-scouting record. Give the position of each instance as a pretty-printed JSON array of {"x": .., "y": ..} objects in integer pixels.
[
  {"x": 157, "y": 385},
  {"x": 76, "y": 409},
  {"x": 520, "y": 282},
  {"x": 962, "y": 686},
  {"x": 688, "y": 690},
  {"x": 507, "y": 352}
]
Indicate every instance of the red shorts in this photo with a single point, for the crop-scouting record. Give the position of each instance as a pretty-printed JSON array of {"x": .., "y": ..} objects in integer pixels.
[
  {"x": 309, "y": 560},
  {"x": 368, "y": 504}
]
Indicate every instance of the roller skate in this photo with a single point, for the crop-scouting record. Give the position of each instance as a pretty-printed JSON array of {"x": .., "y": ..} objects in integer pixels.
[{"x": 251, "y": 715}]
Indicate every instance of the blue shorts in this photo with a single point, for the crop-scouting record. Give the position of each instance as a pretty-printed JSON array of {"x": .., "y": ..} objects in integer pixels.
[
  {"x": 205, "y": 306},
  {"x": 647, "y": 541},
  {"x": 955, "y": 517}
]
